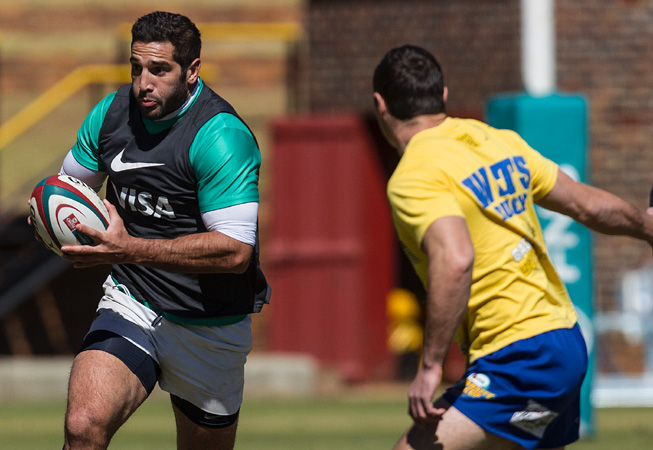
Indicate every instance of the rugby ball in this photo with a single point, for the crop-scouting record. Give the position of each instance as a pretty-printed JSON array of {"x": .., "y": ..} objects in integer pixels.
[{"x": 58, "y": 204}]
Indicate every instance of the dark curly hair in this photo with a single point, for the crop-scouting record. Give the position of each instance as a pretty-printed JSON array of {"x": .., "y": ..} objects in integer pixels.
[
  {"x": 410, "y": 81},
  {"x": 179, "y": 30}
]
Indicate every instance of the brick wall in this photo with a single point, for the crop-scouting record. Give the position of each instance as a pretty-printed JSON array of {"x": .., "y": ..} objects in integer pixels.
[
  {"x": 476, "y": 42},
  {"x": 605, "y": 50}
]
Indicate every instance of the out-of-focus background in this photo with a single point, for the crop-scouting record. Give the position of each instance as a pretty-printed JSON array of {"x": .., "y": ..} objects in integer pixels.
[{"x": 346, "y": 307}]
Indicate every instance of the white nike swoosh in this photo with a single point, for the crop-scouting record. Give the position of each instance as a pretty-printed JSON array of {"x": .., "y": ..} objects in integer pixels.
[{"x": 118, "y": 165}]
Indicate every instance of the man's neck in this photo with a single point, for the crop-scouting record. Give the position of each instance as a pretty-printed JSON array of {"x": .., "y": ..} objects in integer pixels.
[{"x": 406, "y": 129}]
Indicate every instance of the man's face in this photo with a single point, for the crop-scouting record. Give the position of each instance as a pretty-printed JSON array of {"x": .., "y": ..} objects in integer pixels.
[{"x": 157, "y": 80}]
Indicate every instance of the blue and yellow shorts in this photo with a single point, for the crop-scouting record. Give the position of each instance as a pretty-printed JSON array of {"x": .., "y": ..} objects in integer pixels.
[{"x": 529, "y": 391}]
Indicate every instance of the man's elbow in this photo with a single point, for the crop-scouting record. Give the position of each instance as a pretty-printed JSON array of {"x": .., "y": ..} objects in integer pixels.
[
  {"x": 463, "y": 262},
  {"x": 240, "y": 261}
]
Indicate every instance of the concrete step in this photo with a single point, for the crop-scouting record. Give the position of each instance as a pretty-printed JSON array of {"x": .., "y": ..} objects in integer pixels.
[{"x": 46, "y": 378}]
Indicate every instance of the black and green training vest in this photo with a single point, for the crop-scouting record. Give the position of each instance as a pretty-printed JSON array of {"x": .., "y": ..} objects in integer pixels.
[{"x": 153, "y": 186}]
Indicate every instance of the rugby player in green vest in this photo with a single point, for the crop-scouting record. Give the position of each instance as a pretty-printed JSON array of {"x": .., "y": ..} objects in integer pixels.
[{"x": 181, "y": 170}]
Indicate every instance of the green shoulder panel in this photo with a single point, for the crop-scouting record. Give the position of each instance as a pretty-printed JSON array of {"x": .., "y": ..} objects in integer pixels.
[
  {"x": 85, "y": 149},
  {"x": 226, "y": 160}
]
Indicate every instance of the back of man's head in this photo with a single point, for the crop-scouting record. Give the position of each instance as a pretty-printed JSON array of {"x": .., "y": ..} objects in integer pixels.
[{"x": 410, "y": 80}]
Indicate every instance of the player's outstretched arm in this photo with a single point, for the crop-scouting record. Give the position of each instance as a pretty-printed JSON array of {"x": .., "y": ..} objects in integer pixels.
[{"x": 598, "y": 210}]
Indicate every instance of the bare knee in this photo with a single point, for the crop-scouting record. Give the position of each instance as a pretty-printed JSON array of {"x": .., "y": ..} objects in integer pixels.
[
  {"x": 85, "y": 429},
  {"x": 102, "y": 394}
]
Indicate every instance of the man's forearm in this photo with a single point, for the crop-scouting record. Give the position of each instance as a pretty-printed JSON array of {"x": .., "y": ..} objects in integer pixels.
[
  {"x": 447, "y": 303},
  {"x": 209, "y": 252},
  {"x": 597, "y": 209}
]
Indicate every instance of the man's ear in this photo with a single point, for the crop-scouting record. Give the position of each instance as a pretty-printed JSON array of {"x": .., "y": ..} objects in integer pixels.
[
  {"x": 445, "y": 94},
  {"x": 380, "y": 104},
  {"x": 194, "y": 71}
]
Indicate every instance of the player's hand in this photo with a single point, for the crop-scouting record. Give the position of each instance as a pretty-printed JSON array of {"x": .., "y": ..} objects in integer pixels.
[
  {"x": 110, "y": 246},
  {"x": 31, "y": 224},
  {"x": 420, "y": 397},
  {"x": 649, "y": 213}
]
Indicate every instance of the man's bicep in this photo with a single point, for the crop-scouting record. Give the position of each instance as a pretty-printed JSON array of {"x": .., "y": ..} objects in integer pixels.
[
  {"x": 86, "y": 148},
  {"x": 448, "y": 235},
  {"x": 72, "y": 167},
  {"x": 226, "y": 165},
  {"x": 239, "y": 222}
]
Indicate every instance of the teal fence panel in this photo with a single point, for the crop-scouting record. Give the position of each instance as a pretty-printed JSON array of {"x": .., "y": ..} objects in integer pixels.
[{"x": 556, "y": 126}]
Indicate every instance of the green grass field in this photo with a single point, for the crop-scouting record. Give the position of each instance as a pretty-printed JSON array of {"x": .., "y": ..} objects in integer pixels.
[{"x": 350, "y": 421}]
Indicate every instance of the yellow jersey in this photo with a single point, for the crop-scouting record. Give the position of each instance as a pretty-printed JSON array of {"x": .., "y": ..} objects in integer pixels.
[{"x": 491, "y": 178}]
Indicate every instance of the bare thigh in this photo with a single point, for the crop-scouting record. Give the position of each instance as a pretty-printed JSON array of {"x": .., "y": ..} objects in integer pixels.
[
  {"x": 102, "y": 394},
  {"x": 454, "y": 431},
  {"x": 191, "y": 436}
]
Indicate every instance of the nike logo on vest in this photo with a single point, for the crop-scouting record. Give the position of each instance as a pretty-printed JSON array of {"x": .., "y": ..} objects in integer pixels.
[{"x": 118, "y": 165}]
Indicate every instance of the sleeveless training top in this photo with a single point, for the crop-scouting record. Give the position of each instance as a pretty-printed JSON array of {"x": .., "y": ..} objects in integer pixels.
[{"x": 153, "y": 185}]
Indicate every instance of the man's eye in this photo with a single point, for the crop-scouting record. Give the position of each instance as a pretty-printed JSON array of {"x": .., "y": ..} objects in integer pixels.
[{"x": 136, "y": 70}]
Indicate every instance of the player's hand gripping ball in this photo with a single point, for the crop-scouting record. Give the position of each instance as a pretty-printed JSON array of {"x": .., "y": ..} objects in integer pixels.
[{"x": 58, "y": 204}]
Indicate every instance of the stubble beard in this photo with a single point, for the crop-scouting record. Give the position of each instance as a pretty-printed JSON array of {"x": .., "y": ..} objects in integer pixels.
[{"x": 165, "y": 106}]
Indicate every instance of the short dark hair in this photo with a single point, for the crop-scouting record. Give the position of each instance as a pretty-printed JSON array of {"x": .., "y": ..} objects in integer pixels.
[
  {"x": 179, "y": 30},
  {"x": 410, "y": 81}
]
